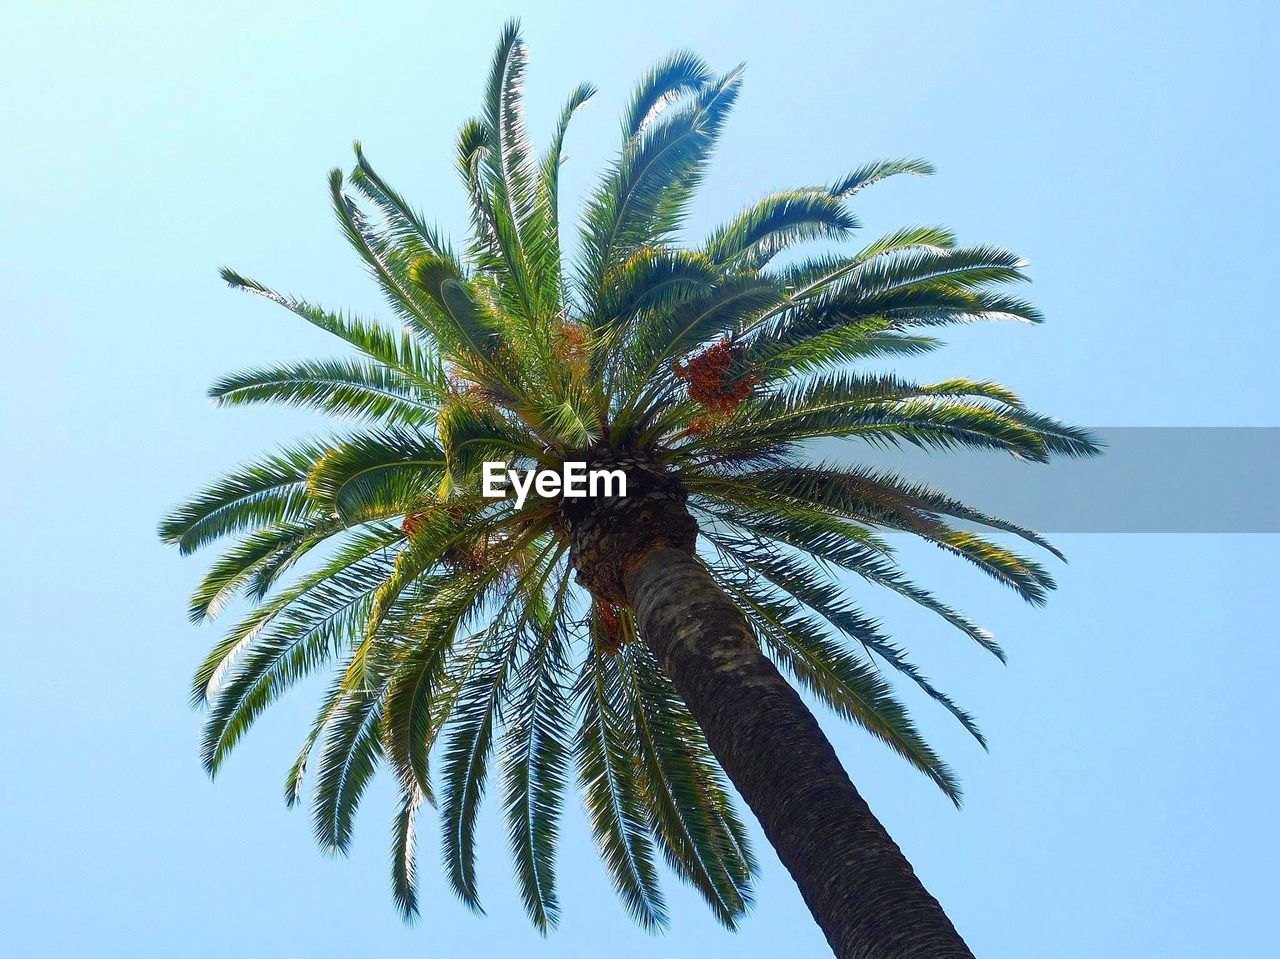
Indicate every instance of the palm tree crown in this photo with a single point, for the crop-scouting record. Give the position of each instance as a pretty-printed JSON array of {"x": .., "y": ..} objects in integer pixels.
[{"x": 497, "y": 633}]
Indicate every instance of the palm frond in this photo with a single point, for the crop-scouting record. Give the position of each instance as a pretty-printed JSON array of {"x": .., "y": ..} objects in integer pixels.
[
  {"x": 343, "y": 388},
  {"x": 535, "y": 760},
  {"x": 404, "y": 870},
  {"x": 872, "y": 173},
  {"x": 847, "y": 683},
  {"x": 265, "y": 492},
  {"x": 700, "y": 835},
  {"x": 643, "y": 200},
  {"x": 679, "y": 74},
  {"x": 612, "y": 791}
]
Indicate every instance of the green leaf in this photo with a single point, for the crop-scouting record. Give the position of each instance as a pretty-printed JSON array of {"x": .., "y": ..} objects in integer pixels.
[{"x": 613, "y": 795}]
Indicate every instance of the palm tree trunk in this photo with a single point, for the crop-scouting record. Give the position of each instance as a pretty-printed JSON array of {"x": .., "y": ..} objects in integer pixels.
[{"x": 854, "y": 878}]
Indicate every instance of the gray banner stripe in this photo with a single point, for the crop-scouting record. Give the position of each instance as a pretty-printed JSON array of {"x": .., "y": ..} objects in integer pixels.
[{"x": 1149, "y": 480}]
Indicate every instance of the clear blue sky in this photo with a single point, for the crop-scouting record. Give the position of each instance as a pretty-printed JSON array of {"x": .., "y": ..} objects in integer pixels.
[{"x": 1127, "y": 805}]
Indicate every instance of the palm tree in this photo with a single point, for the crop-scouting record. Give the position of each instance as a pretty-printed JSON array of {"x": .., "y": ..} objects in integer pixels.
[{"x": 638, "y": 640}]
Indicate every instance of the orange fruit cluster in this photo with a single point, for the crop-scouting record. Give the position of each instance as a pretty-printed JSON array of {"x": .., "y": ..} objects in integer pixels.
[
  {"x": 609, "y": 636},
  {"x": 570, "y": 345},
  {"x": 413, "y": 522},
  {"x": 707, "y": 374},
  {"x": 463, "y": 390},
  {"x": 473, "y": 557}
]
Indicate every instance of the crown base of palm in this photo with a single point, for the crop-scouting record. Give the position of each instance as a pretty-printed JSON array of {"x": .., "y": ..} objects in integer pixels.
[{"x": 610, "y": 535}]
